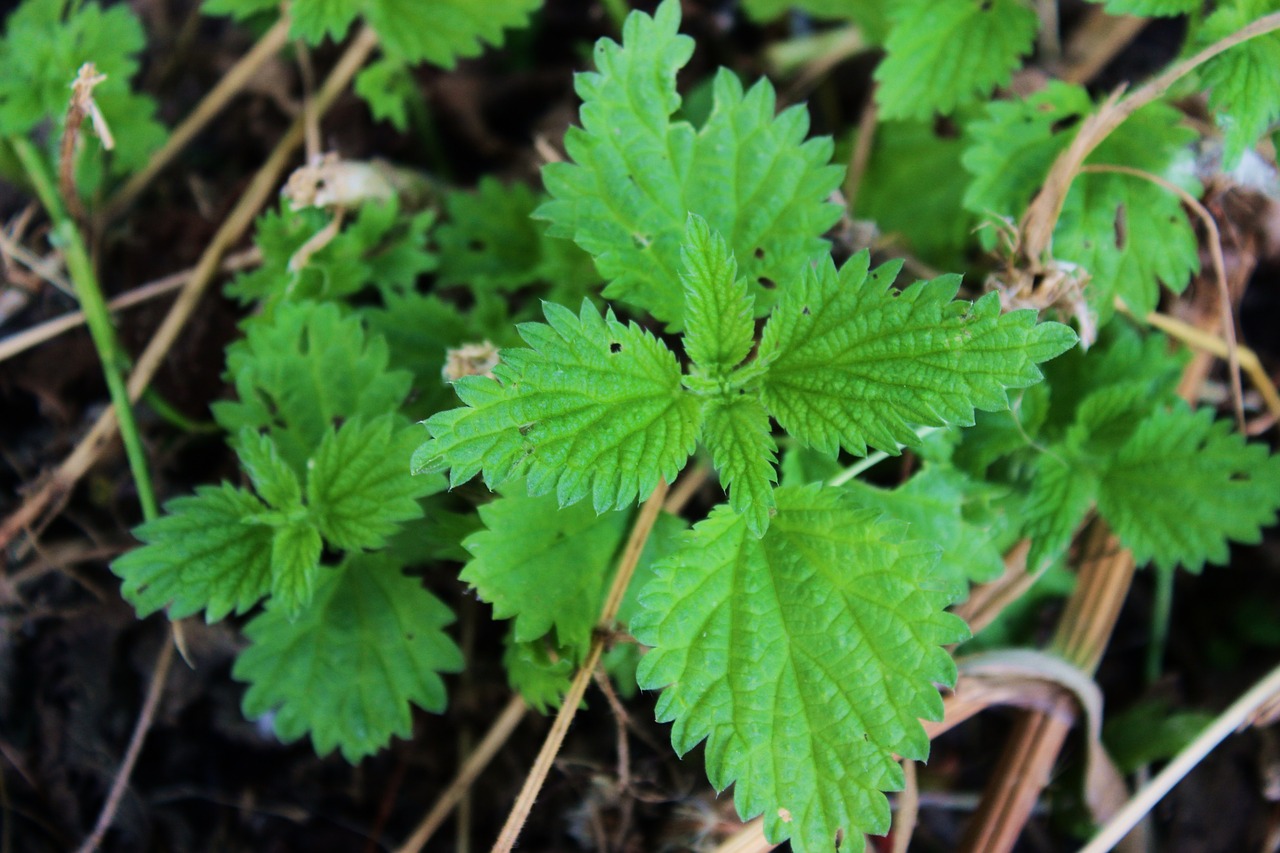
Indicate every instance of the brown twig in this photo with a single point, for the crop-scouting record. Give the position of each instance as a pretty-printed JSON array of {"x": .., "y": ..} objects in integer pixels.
[
  {"x": 861, "y": 154},
  {"x": 904, "y": 821},
  {"x": 58, "y": 485},
  {"x": 749, "y": 839},
  {"x": 1097, "y": 41},
  {"x": 213, "y": 103},
  {"x": 163, "y": 663},
  {"x": 467, "y": 774},
  {"x": 686, "y": 487},
  {"x": 573, "y": 698},
  {"x": 50, "y": 329},
  {"x": 1207, "y": 342}
]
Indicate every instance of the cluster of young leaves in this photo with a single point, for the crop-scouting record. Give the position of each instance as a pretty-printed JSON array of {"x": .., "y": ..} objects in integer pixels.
[
  {"x": 409, "y": 32},
  {"x": 1106, "y": 430},
  {"x": 636, "y": 173},
  {"x": 380, "y": 248},
  {"x": 44, "y": 46},
  {"x": 316, "y": 430},
  {"x": 798, "y": 630}
]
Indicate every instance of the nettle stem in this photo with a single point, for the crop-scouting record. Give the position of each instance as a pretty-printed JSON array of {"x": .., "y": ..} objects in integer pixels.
[
  {"x": 94, "y": 306},
  {"x": 645, "y": 520}
]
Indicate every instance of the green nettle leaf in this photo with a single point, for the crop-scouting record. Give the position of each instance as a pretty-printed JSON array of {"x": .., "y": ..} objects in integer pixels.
[
  {"x": 439, "y": 32},
  {"x": 378, "y": 247},
  {"x": 853, "y": 363},
  {"x": 1183, "y": 484},
  {"x": 533, "y": 673},
  {"x": 302, "y": 367},
  {"x": 934, "y": 502},
  {"x": 636, "y": 173},
  {"x": 943, "y": 54},
  {"x": 45, "y": 44},
  {"x": 1013, "y": 146},
  {"x": 388, "y": 87},
  {"x": 719, "y": 329},
  {"x": 600, "y": 408},
  {"x": 204, "y": 553},
  {"x": 358, "y": 490},
  {"x": 806, "y": 659},
  {"x": 1062, "y": 491},
  {"x": 547, "y": 567},
  {"x": 1152, "y": 8},
  {"x": 737, "y": 432},
  {"x": 489, "y": 240},
  {"x": 272, "y": 477},
  {"x": 913, "y": 186},
  {"x": 593, "y": 409},
  {"x": 365, "y": 619},
  {"x": 1243, "y": 82},
  {"x": 1108, "y": 220},
  {"x": 295, "y": 565}
]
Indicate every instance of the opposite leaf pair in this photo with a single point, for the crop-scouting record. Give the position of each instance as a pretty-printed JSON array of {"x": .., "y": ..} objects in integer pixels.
[{"x": 601, "y": 409}]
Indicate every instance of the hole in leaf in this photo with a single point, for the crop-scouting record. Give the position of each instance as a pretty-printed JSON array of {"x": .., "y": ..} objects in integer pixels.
[
  {"x": 1065, "y": 123},
  {"x": 766, "y": 283},
  {"x": 986, "y": 5},
  {"x": 945, "y": 128},
  {"x": 615, "y": 347},
  {"x": 1122, "y": 227},
  {"x": 759, "y": 253}
]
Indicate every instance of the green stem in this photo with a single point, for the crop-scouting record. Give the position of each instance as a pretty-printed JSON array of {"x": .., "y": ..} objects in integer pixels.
[
  {"x": 170, "y": 413},
  {"x": 1160, "y": 611},
  {"x": 80, "y": 268},
  {"x": 871, "y": 460}
]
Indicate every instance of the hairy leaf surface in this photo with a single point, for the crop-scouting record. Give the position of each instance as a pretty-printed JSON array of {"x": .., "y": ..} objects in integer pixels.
[
  {"x": 203, "y": 554},
  {"x": 439, "y": 32},
  {"x": 936, "y": 503},
  {"x": 381, "y": 631},
  {"x": 301, "y": 367},
  {"x": 358, "y": 489},
  {"x": 942, "y": 54},
  {"x": 737, "y": 432},
  {"x": 1184, "y": 484},
  {"x": 636, "y": 174},
  {"x": 853, "y": 363},
  {"x": 594, "y": 409},
  {"x": 719, "y": 329},
  {"x": 544, "y": 566},
  {"x": 805, "y": 659}
]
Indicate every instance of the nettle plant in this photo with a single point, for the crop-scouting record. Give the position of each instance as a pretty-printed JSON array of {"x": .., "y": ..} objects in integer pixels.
[{"x": 801, "y": 628}]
